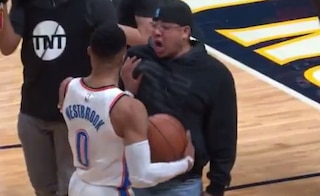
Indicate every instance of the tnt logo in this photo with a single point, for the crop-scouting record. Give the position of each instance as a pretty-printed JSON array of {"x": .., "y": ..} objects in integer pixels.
[{"x": 49, "y": 40}]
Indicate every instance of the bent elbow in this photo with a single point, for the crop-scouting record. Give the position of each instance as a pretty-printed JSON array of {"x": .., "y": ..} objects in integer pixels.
[
  {"x": 9, "y": 44},
  {"x": 5, "y": 52}
]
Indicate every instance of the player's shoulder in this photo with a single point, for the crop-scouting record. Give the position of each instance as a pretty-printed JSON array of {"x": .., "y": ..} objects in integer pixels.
[
  {"x": 128, "y": 110},
  {"x": 67, "y": 80},
  {"x": 128, "y": 106},
  {"x": 64, "y": 84}
]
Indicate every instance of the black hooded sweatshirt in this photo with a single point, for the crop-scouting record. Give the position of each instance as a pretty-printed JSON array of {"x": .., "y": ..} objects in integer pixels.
[{"x": 198, "y": 90}]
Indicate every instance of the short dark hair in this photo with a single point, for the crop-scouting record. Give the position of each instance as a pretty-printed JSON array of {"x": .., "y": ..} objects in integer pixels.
[{"x": 107, "y": 41}]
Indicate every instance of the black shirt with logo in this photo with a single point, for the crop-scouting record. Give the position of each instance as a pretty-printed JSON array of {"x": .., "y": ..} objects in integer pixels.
[{"x": 54, "y": 46}]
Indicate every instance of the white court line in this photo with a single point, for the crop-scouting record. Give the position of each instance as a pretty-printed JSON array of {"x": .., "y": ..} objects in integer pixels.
[{"x": 217, "y": 54}]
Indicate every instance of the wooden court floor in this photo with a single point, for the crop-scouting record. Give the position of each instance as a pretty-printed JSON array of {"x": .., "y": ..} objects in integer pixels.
[{"x": 278, "y": 138}]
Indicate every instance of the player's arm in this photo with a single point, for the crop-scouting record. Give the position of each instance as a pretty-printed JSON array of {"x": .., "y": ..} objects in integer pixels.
[
  {"x": 13, "y": 26},
  {"x": 130, "y": 120},
  {"x": 62, "y": 91},
  {"x": 143, "y": 11},
  {"x": 221, "y": 135}
]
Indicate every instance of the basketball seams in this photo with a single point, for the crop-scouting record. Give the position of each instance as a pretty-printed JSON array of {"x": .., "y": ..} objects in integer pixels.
[
  {"x": 165, "y": 139},
  {"x": 154, "y": 143},
  {"x": 177, "y": 124}
]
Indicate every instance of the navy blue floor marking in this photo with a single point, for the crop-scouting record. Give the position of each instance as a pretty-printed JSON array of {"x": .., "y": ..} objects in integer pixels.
[{"x": 248, "y": 15}]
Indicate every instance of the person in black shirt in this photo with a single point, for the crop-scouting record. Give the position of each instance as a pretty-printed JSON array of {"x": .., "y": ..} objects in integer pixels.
[
  {"x": 135, "y": 18},
  {"x": 176, "y": 76},
  {"x": 55, "y": 36}
]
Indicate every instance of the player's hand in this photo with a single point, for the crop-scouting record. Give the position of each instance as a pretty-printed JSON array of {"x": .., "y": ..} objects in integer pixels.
[
  {"x": 189, "y": 152},
  {"x": 131, "y": 84}
]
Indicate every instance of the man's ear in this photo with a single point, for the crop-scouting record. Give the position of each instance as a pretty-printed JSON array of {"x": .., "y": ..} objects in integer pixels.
[{"x": 186, "y": 33}]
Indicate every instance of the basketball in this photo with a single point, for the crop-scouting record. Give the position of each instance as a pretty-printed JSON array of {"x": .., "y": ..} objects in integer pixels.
[{"x": 167, "y": 138}]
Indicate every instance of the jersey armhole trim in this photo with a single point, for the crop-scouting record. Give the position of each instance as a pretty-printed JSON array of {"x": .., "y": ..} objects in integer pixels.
[
  {"x": 115, "y": 100},
  {"x": 66, "y": 88}
]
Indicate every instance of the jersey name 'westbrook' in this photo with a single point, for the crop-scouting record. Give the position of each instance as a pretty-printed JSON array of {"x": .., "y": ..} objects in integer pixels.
[{"x": 84, "y": 112}]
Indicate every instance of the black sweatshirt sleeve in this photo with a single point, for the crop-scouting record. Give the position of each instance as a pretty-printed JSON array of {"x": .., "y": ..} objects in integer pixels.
[{"x": 221, "y": 135}]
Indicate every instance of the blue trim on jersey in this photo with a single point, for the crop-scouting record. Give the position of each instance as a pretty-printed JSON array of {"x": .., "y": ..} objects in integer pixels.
[
  {"x": 123, "y": 190},
  {"x": 82, "y": 138}
]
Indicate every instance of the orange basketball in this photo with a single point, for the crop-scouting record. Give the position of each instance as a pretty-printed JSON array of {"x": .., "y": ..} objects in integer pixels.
[{"x": 167, "y": 137}]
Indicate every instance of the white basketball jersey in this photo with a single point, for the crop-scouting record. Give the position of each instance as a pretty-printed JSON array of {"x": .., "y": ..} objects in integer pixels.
[{"x": 98, "y": 152}]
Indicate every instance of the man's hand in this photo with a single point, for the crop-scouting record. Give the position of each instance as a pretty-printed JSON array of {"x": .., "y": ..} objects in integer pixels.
[{"x": 130, "y": 83}]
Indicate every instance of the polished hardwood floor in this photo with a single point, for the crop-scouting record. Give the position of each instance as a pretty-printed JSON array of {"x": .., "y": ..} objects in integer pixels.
[{"x": 278, "y": 138}]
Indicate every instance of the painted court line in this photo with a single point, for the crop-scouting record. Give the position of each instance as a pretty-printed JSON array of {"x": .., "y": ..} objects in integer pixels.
[
  {"x": 5, "y": 147},
  {"x": 224, "y": 58},
  {"x": 275, "y": 181}
]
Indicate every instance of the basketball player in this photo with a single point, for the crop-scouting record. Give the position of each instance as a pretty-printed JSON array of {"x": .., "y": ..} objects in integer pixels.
[
  {"x": 55, "y": 36},
  {"x": 178, "y": 77},
  {"x": 107, "y": 129}
]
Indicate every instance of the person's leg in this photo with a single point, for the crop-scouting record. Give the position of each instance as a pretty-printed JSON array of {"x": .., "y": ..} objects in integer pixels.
[
  {"x": 37, "y": 145},
  {"x": 173, "y": 188},
  {"x": 64, "y": 157}
]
